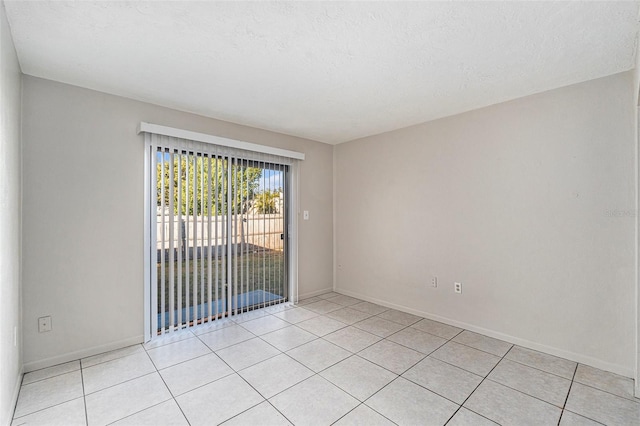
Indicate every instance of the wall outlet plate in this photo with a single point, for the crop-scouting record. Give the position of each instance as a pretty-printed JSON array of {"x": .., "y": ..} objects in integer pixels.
[
  {"x": 434, "y": 281},
  {"x": 44, "y": 324},
  {"x": 457, "y": 287}
]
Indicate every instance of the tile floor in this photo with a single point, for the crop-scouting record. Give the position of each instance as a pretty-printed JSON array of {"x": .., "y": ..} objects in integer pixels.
[{"x": 331, "y": 359}]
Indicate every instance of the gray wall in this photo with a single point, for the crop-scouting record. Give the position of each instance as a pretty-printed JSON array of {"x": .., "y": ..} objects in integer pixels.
[
  {"x": 83, "y": 215},
  {"x": 530, "y": 204},
  {"x": 10, "y": 222}
]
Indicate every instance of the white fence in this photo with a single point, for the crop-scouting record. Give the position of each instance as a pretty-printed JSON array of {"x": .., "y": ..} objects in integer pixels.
[{"x": 255, "y": 230}]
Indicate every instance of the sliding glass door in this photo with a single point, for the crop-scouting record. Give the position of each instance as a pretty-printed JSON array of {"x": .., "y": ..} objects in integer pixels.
[{"x": 218, "y": 233}]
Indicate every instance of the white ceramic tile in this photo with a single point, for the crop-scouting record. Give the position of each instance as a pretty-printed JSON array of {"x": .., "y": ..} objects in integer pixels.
[
  {"x": 467, "y": 358},
  {"x": 117, "y": 402},
  {"x": 166, "y": 414},
  {"x": 417, "y": 340},
  {"x": 406, "y": 403},
  {"x": 116, "y": 371},
  {"x": 280, "y": 307},
  {"x": 175, "y": 353},
  {"x": 210, "y": 326},
  {"x": 261, "y": 414},
  {"x": 319, "y": 354},
  {"x": 328, "y": 295},
  {"x": 250, "y": 316},
  {"x": 602, "y": 406},
  {"x": 549, "y": 363},
  {"x": 344, "y": 300},
  {"x": 572, "y": 419},
  {"x": 444, "y": 379},
  {"x": 47, "y": 373},
  {"x": 466, "y": 417},
  {"x": 70, "y": 413},
  {"x": 313, "y": 402},
  {"x": 226, "y": 337},
  {"x": 194, "y": 373},
  {"x": 506, "y": 406},
  {"x": 265, "y": 325},
  {"x": 363, "y": 416},
  {"x": 165, "y": 339},
  {"x": 307, "y": 301},
  {"x": 288, "y": 338},
  {"x": 545, "y": 386},
  {"x": 400, "y": 317},
  {"x": 358, "y": 377},
  {"x": 247, "y": 353},
  {"x": 322, "y": 307},
  {"x": 108, "y": 356},
  {"x": 352, "y": 339},
  {"x": 348, "y": 315},
  {"x": 218, "y": 401},
  {"x": 437, "y": 328},
  {"x": 603, "y": 380},
  {"x": 391, "y": 356},
  {"x": 484, "y": 343},
  {"x": 321, "y": 326},
  {"x": 379, "y": 327},
  {"x": 368, "y": 307},
  {"x": 48, "y": 392},
  {"x": 296, "y": 315},
  {"x": 275, "y": 375}
]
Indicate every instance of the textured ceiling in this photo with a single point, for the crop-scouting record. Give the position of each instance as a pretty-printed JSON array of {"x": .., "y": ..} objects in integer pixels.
[{"x": 331, "y": 72}]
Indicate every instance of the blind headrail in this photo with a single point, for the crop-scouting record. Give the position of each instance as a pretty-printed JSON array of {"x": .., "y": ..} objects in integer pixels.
[{"x": 216, "y": 140}]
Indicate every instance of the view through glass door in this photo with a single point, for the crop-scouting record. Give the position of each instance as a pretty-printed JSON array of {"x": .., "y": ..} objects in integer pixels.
[{"x": 220, "y": 235}]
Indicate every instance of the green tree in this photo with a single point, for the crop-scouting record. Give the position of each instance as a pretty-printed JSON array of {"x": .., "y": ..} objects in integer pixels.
[
  {"x": 266, "y": 201},
  {"x": 195, "y": 176}
]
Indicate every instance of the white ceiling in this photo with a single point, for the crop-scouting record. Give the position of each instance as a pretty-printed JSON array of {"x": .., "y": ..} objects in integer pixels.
[{"x": 331, "y": 72}]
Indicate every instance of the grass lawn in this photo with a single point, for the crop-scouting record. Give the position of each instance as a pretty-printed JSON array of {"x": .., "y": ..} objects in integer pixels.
[{"x": 255, "y": 271}]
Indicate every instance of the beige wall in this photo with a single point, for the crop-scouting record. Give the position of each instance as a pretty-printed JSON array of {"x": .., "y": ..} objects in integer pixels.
[
  {"x": 83, "y": 215},
  {"x": 530, "y": 204},
  {"x": 10, "y": 224}
]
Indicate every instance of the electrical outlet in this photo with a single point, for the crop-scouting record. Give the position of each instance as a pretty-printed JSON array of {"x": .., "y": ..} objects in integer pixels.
[
  {"x": 434, "y": 281},
  {"x": 44, "y": 324},
  {"x": 457, "y": 287}
]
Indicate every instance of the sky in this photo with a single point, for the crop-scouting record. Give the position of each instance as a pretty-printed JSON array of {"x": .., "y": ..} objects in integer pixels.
[{"x": 269, "y": 179}]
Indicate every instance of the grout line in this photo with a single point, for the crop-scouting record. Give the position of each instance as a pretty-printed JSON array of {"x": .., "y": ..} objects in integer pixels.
[
  {"x": 539, "y": 369},
  {"x": 281, "y": 413},
  {"x": 122, "y": 382},
  {"x": 582, "y": 415},
  {"x": 476, "y": 388},
  {"x": 525, "y": 393},
  {"x": 575, "y": 370},
  {"x": 607, "y": 392},
  {"x": 84, "y": 397},
  {"x": 22, "y": 384},
  {"x": 140, "y": 411},
  {"x": 349, "y": 393},
  {"x": 43, "y": 409},
  {"x": 172, "y": 396},
  {"x": 361, "y": 404}
]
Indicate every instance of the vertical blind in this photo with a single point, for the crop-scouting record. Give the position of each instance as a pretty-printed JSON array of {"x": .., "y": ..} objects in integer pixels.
[{"x": 218, "y": 231}]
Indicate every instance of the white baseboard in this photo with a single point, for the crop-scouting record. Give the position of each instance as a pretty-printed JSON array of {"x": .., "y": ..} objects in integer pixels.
[
  {"x": 572, "y": 356},
  {"x": 72, "y": 356},
  {"x": 314, "y": 293}
]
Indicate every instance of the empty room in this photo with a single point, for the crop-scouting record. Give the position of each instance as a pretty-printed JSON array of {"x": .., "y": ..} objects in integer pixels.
[{"x": 318, "y": 213}]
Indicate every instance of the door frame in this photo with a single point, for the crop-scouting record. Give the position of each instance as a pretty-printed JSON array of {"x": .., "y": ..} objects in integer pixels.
[{"x": 291, "y": 214}]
